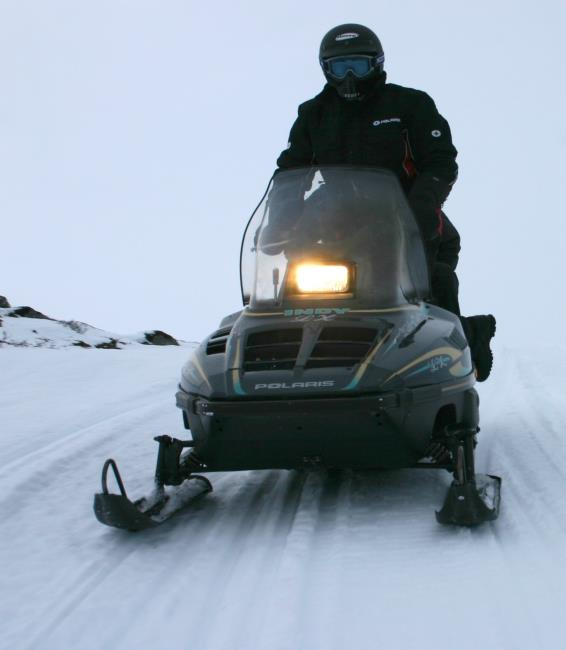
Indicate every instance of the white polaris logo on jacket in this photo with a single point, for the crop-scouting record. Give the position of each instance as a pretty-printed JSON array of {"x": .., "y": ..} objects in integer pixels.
[
  {"x": 346, "y": 36},
  {"x": 387, "y": 121},
  {"x": 436, "y": 133},
  {"x": 296, "y": 384}
]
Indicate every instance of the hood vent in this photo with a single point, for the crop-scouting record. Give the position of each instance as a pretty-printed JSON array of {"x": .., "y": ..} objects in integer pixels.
[
  {"x": 336, "y": 347},
  {"x": 217, "y": 341},
  {"x": 272, "y": 350},
  {"x": 341, "y": 347}
]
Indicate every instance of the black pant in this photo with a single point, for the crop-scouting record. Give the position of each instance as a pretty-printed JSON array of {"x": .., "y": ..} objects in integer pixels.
[{"x": 444, "y": 286}]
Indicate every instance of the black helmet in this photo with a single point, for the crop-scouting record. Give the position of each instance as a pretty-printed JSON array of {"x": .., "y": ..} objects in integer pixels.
[{"x": 352, "y": 58}]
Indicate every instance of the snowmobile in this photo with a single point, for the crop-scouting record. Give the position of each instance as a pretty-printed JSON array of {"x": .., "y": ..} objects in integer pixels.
[{"x": 337, "y": 360}]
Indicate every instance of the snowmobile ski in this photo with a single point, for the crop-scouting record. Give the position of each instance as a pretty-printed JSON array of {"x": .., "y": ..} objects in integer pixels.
[
  {"x": 118, "y": 511},
  {"x": 471, "y": 503},
  {"x": 472, "y": 498}
]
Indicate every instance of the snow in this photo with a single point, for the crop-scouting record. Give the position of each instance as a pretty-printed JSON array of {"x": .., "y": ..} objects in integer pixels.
[{"x": 270, "y": 559}]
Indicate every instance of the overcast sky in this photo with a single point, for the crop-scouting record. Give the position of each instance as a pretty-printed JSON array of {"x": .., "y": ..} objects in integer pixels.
[{"x": 137, "y": 136}]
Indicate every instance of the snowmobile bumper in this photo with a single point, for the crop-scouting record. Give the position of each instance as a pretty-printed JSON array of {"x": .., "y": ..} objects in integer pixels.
[{"x": 382, "y": 431}]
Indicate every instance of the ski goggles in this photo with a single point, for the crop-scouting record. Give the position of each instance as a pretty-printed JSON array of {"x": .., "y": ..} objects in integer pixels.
[{"x": 360, "y": 65}]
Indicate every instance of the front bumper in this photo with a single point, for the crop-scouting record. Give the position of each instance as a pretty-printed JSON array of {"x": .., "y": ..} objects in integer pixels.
[{"x": 388, "y": 430}]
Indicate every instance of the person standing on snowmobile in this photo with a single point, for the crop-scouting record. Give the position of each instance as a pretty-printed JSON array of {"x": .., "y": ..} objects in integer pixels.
[{"x": 359, "y": 119}]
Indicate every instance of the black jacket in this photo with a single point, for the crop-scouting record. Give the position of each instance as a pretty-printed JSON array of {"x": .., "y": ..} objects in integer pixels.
[{"x": 393, "y": 127}]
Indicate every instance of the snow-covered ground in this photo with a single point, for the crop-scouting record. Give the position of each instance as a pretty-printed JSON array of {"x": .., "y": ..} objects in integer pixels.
[{"x": 269, "y": 560}]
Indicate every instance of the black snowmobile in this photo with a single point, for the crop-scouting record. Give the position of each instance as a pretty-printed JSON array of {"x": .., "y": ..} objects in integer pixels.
[{"x": 336, "y": 360}]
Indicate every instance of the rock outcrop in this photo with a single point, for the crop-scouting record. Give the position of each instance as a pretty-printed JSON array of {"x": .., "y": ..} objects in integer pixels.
[
  {"x": 157, "y": 337},
  {"x": 27, "y": 327},
  {"x": 27, "y": 312}
]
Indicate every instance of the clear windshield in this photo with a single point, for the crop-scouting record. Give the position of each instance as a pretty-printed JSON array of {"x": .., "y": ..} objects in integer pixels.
[{"x": 350, "y": 217}]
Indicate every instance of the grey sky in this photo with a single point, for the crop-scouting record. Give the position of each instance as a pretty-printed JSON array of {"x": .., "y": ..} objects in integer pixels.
[{"x": 137, "y": 136}]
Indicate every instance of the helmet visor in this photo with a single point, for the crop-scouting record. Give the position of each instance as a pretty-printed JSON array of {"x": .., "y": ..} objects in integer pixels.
[{"x": 360, "y": 65}]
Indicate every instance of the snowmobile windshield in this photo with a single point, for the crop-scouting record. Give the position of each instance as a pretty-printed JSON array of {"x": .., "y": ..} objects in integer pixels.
[{"x": 333, "y": 236}]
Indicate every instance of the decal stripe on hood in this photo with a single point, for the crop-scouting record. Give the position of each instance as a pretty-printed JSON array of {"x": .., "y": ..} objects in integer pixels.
[
  {"x": 236, "y": 371},
  {"x": 453, "y": 353},
  {"x": 363, "y": 367}
]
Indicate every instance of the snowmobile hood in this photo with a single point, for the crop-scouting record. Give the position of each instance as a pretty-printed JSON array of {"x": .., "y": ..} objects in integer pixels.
[{"x": 305, "y": 353}]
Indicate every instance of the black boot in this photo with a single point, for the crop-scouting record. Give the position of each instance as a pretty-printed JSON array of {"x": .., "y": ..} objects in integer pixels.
[{"x": 479, "y": 331}]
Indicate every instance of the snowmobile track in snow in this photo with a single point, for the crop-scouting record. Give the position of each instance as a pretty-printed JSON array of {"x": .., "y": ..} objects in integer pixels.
[{"x": 278, "y": 559}]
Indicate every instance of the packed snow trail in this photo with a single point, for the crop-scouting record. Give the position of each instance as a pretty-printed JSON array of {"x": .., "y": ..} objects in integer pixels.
[{"x": 274, "y": 559}]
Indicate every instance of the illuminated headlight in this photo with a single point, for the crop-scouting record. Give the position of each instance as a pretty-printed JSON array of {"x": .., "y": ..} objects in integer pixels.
[{"x": 322, "y": 278}]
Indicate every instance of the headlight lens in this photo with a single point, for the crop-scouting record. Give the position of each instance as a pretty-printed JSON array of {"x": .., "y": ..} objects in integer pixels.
[{"x": 322, "y": 278}]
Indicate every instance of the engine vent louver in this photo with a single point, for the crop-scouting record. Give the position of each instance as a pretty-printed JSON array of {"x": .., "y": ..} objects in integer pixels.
[
  {"x": 217, "y": 341},
  {"x": 272, "y": 350},
  {"x": 341, "y": 347}
]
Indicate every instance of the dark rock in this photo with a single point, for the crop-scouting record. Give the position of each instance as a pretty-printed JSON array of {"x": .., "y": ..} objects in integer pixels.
[
  {"x": 157, "y": 337},
  {"x": 112, "y": 344},
  {"x": 76, "y": 326},
  {"x": 82, "y": 344},
  {"x": 4, "y": 303},
  {"x": 28, "y": 312}
]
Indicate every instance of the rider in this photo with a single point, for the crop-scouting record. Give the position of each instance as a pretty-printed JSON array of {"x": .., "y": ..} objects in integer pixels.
[{"x": 360, "y": 119}]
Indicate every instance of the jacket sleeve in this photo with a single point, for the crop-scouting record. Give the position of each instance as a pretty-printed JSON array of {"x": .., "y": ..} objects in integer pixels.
[
  {"x": 299, "y": 150},
  {"x": 434, "y": 157}
]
